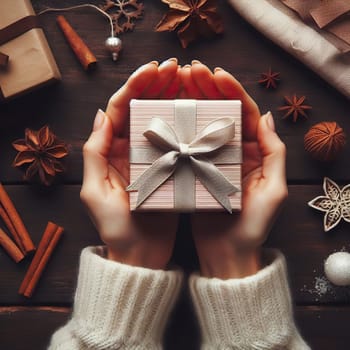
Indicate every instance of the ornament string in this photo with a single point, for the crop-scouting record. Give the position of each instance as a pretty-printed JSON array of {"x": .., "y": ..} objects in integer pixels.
[
  {"x": 104, "y": 13},
  {"x": 113, "y": 44}
]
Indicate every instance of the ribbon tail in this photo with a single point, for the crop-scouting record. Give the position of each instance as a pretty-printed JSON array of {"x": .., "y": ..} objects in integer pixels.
[
  {"x": 214, "y": 181},
  {"x": 154, "y": 176}
]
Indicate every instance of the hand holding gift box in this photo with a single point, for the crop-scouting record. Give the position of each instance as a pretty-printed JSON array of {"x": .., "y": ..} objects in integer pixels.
[{"x": 227, "y": 245}]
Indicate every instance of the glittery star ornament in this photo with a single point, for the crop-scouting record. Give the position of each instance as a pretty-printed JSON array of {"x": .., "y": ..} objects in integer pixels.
[{"x": 335, "y": 203}]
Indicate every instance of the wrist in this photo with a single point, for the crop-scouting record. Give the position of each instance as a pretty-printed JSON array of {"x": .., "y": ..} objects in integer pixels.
[
  {"x": 134, "y": 257},
  {"x": 237, "y": 264}
]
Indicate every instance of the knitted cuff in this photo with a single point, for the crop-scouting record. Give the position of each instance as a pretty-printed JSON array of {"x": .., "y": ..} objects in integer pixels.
[
  {"x": 250, "y": 313},
  {"x": 118, "y": 305}
]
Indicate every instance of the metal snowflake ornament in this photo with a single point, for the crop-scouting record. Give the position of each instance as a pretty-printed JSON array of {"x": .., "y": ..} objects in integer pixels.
[
  {"x": 123, "y": 13},
  {"x": 335, "y": 204}
]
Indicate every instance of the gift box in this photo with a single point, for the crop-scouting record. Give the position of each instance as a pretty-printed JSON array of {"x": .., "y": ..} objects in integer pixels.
[
  {"x": 30, "y": 63},
  {"x": 185, "y": 155}
]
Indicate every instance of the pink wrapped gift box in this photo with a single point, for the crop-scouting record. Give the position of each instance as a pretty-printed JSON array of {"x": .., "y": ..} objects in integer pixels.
[{"x": 182, "y": 121}]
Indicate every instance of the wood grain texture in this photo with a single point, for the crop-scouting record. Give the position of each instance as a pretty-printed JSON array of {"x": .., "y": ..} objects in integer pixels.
[
  {"x": 69, "y": 108},
  {"x": 61, "y": 205},
  {"x": 37, "y": 324},
  {"x": 298, "y": 233}
]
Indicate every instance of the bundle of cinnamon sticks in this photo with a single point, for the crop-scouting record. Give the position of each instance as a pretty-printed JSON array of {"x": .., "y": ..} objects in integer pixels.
[
  {"x": 46, "y": 246},
  {"x": 15, "y": 225},
  {"x": 22, "y": 245}
]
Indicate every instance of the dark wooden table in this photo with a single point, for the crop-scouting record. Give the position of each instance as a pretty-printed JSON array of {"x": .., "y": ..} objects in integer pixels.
[{"x": 323, "y": 314}]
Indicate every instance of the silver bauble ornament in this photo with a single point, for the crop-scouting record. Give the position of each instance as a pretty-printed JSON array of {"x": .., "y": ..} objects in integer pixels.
[
  {"x": 114, "y": 46},
  {"x": 337, "y": 268}
]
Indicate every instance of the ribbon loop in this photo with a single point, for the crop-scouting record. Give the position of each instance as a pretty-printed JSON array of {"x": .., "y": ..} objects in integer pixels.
[
  {"x": 162, "y": 135},
  {"x": 212, "y": 137}
]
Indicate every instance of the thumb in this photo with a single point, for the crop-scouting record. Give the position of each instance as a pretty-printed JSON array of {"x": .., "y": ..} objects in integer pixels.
[
  {"x": 96, "y": 151},
  {"x": 272, "y": 150}
]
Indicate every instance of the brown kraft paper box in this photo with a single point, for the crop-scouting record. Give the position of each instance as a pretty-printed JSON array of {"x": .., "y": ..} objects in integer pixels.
[{"x": 31, "y": 63}]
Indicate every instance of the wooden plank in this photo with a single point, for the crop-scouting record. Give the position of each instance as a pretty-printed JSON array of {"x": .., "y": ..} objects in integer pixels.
[
  {"x": 69, "y": 107},
  {"x": 29, "y": 328},
  {"x": 62, "y": 206},
  {"x": 298, "y": 233},
  {"x": 37, "y": 324},
  {"x": 324, "y": 328}
]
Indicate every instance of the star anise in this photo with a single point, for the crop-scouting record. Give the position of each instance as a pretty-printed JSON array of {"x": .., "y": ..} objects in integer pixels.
[
  {"x": 270, "y": 79},
  {"x": 191, "y": 18},
  {"x": 295, "y": 106},
  {"x": 41, "y": 151}
]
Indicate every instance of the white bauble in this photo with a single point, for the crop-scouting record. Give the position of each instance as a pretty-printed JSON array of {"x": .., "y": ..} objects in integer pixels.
[
  {"x": 337, "y": 268},
  {"x": 114, "y": 45}
]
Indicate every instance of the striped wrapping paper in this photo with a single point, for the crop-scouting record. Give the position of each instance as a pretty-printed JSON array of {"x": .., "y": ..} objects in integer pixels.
[{"x": 142, "y": 111}]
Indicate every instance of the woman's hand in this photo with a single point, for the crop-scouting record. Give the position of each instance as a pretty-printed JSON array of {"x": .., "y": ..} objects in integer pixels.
[
  {"x": 141, "y": 239},
  {"x": 228, "y": 245}
]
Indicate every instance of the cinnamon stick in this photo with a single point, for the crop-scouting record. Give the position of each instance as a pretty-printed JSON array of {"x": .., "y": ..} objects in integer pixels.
[
  {"x": 11, "y": 228},
  {"x": 82, "y": 52},
  {"x": 48, "y": 242},
  {"x": 16, "y": 221},
  {"x": 10, "y": 247}
]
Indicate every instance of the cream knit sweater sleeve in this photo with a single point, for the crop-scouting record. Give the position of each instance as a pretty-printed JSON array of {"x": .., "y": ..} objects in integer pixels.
[
  {"x": 118, "y": 306},
  {"x": 249, "y": 313}
]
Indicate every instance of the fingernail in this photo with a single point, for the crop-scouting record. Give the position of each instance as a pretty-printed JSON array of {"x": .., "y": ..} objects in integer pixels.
[
  {"x": 141, "y": 68},
  {"x": 168, "y": 61},
  {"x": 99, "y": 119},
  {"x": 270, "y": 121},
  {"x": 187, "y": 66},
  {"x": 217, "y": 69},
  {"x": 196, "y": 62},
  {"x": 153, "y": 62}
]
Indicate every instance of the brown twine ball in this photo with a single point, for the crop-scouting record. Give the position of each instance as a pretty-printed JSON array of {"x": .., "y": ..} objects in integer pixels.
[{"x": 324, "y": 141}]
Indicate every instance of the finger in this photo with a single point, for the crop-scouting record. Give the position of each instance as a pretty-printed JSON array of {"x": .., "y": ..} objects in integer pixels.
[
  {"x": 118, "y": 105},
  {"x": 204, "y": 79},
  {"x": 232, "y": 89},
  {"x": 190, "y": 88},
  {"x": 119, "y": 156},
  {"x": 273, "y": 151},
  {"x": 166, "y": 74},
  {"x": 173, "y": 89},
  {"x": 115, "y": 179},
  {"x": 96, "y": 150}
]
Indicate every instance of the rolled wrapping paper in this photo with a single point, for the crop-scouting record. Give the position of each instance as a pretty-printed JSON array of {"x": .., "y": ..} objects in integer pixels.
[{"x": 285, "y": 28}]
